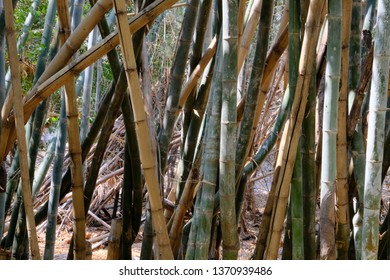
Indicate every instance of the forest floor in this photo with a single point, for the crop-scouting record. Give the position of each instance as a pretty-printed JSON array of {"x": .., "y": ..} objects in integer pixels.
[{"x": 97, "y": 233}]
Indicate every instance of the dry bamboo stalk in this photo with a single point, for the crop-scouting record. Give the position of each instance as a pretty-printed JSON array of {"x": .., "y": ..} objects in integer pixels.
[
  {"x": 58, "y": 79},
  {"x": 163, "y": 248},
  {"x": 197, "y": 73},
  {"x": 99, "y": 220},
  {"x": 241, "y": 20},
  {"x": 289, "y": 147},
  {"x": 113, "y": 251},
  {"x": 342, "y": 201},
  {"x": 109, "y": 176},
  {"x": 273, "y": 56},
  {"x": 16, "y": 97},
  {"x": 99, "y": 238},
  {"x": 249, "y": 32},
  {"x": 74, "y": 142}
]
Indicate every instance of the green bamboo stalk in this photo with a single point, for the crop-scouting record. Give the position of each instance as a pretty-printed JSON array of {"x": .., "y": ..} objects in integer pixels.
[
  {"x": 43, "y": 168},
  {"x": 176, "y": 80},
  {"x": 355, "y": 50},
  {"x": 55, "y": 185},
  {"x": 195, "y": 57},
  {"x": 77, "y": 13},
  {"x": 127, "y": 198},
  {"x": 228, "y": 129},
  {"x": 329, "y": 132},
  {"x": 204, "y": 210},
  {"x": 296, "y": 200},
  {"x": 287, "y": 253},
  {"x": 17, "y": 103},
  {"x": 375, "y": 136},
  {"x": 135, "y": 193},
  {"x": 87, "y": 89},
  {"x": 309, "y": 187},
  {"x": 186, "y": 162},
  {"x": 297, "y": 210},
  {"x": 98, "y": 91},
  {"x": 254, "y": 99}
]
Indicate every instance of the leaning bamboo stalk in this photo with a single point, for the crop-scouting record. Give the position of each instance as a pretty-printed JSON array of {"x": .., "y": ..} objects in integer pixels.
[
  {"x": 58, "y": 79},
  {"x": 254, "y": 99},
  {"x": 197, "y": 73},
  {"x": 375, "y": 136},
  {"x": 74, "y": 143},
  {"x": 19, "y": 124},
  {"x": 293, "y": 128},
  {"x": 163, "y": 249},
  {"x": 249, "y": 32},
  {"x": 342, "y": 200}
]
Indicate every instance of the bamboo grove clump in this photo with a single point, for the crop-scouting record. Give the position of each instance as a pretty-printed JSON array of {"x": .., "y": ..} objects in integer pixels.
[{"x": 151, "y": 122}]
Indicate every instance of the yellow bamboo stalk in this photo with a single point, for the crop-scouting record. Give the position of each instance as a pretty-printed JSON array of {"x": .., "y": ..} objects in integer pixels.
[
  {"x": 273, "y": 56},
  {"x": 289, "y": 147},
  {"x": 16, "y": 96},
  {"x": 74, "y": 144},
  {"x": 241, "y": 19},
  {"x": 197, "y": 73},
  {"x": 162, "y": 249},
  {"x": 59, "y": 78},
  {"x": 249, "y": 32},
  {"x": 342, "y": 201}
]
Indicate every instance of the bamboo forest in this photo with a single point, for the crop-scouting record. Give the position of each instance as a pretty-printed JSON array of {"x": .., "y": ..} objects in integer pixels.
[{"x": 194, "y": 129}]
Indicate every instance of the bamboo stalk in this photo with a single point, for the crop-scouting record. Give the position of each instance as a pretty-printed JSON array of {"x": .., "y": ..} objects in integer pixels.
[
  {"x": 16, "y": 96},
  {"x": 198, "y": 71},
  {"x": 293, "y": 128},
  {"x": 329, "y": 132},
  {"x": 249, "y": 31},
  {"x": 342, "y": 199},
  {"x": 375, "y": 136},
  {"x": 228, "y": 140},
  {"x": 204, "y": 206},
  {"x": 254, "y": 99},
  {"x": 176, "y": 80},
  {"x": 163, "y": 249},
  {"x": 113, "y": 252},
  {"x": 74, "y": 142},
  {"x": 55, "y": 184}
]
